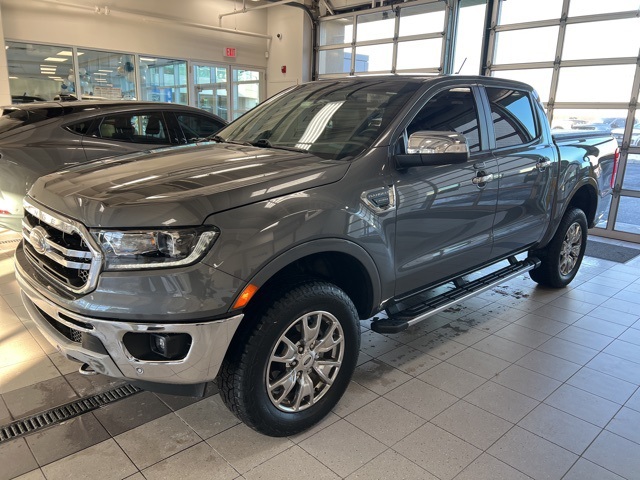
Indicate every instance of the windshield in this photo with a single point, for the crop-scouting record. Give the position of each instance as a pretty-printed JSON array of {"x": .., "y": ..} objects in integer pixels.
[{"x": 331, "y": 119}]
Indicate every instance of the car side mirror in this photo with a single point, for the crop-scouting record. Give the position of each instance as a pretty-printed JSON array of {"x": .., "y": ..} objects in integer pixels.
[{"x": 434, "y": 148}]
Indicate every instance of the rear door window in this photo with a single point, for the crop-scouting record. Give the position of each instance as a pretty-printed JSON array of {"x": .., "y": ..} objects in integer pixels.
[
  {"x": 130, "y": 127},
  {"x": 514, "y": 122}
]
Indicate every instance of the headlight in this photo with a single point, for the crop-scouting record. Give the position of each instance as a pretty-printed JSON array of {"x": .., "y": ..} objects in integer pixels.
[{"x": 137, "y": 249}]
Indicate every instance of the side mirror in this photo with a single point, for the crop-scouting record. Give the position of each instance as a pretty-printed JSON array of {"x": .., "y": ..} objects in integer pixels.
[{"x": 434, "y": 148}]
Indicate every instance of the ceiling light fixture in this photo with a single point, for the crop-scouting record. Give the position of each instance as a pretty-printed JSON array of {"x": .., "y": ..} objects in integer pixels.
[{"x": 55, "y": 59}]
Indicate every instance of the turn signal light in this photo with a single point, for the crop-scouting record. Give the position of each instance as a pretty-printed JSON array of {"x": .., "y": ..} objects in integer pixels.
[{"x": 246, "y": 295}]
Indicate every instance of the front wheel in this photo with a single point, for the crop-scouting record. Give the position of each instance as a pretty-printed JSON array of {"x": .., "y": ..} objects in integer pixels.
[
  {"x": 290, "y": 369},
  {"x": 561, "y": 258}
]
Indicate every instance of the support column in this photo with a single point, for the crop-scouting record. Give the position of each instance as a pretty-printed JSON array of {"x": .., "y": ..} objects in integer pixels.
[{"x": 5, "y": 91}]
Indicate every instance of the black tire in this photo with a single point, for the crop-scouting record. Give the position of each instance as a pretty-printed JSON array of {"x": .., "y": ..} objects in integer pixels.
[
  {"x": 266, "y": 377},
  {"x": 562, "y": 257}
]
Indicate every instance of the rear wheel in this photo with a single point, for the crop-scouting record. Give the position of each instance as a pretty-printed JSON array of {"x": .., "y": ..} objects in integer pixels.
[
  {"x": 288, "y": 371},
  {"x": 562, "y": 257}
]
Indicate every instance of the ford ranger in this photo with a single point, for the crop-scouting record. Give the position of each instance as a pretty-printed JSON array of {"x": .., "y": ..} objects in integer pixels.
[{"x": 252, "y": 260}]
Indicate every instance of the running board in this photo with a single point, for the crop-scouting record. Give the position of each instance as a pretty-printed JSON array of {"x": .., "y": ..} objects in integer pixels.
[{"x": 463, "y": 290}]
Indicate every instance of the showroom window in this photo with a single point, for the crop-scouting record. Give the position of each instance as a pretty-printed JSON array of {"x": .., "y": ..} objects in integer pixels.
[
  {"x": 585, "y": 69},
  {"x": 245, "y": 88},
  {"x": 106, "y": 75},
  {"x": 163, "y": 80},
  {"x": 212, "y": 89},
  {"x": 39, "y": 72},
  {"x": 50, "y": 72}
]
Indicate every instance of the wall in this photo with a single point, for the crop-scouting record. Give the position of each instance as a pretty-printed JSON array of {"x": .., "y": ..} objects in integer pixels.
[
  {"x": 292, "y": 49},
  {"x": 45, "y": 22}
]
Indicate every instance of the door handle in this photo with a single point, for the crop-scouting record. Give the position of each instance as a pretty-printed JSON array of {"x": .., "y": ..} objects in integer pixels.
[
  {"x": 482, "y": 180},
  {"x": 542, "y": 164}
]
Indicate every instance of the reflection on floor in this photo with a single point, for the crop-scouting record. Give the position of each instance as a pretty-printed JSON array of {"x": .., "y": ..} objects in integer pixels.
[{"x": 520, "y": 382}]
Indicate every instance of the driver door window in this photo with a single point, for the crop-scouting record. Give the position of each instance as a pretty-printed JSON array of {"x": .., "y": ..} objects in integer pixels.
[{"x": 450, "y": 111}]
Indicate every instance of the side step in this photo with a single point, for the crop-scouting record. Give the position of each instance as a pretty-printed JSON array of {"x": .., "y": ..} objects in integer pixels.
[{"x": 463, "y": 290}]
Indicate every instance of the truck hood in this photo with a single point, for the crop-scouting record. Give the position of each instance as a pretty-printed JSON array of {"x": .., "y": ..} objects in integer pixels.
[{"x": 179, "y": 186}]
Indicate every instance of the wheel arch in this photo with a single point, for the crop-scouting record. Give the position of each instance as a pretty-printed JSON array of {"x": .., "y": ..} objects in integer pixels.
[
  {"x": 586, "y": 199},
  {"x": 338, "y": 261}
]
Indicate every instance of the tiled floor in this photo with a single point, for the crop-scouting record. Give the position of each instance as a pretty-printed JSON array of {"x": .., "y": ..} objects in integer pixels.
[{"x": 520, "y": 382}]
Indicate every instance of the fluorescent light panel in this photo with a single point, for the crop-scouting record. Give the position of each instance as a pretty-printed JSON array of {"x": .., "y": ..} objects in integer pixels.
[{"x": 55, "y": 59}]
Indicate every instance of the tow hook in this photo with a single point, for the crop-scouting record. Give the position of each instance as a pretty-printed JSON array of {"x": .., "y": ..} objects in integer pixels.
[{"x": 86, "y": 369}]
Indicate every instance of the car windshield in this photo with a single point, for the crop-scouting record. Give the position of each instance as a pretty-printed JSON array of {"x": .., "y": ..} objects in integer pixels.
[{"x": 331, "y": 119}]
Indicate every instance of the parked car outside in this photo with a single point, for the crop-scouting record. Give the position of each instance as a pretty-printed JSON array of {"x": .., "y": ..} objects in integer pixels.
[
  {"x": 618, "y": 134},
  {"x": 603, "y": 125},
  {"x": 42, "y": 137}
]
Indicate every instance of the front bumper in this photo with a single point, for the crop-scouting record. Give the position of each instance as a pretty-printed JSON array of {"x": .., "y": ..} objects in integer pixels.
[{"x": 108, "y": 354}]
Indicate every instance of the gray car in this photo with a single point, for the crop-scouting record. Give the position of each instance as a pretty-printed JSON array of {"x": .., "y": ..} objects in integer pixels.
[{"x": 43, "y": 137}]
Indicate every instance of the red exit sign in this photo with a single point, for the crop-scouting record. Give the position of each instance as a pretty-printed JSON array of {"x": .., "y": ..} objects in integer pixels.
[{"x": 230, "y": 52}]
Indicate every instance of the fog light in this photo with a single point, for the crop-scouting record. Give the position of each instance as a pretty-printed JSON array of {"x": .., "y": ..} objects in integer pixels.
[{"x": 172, "y": 346}]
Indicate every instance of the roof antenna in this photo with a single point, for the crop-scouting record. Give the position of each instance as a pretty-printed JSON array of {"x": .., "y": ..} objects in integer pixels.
[{"x": 463, "y": 62}]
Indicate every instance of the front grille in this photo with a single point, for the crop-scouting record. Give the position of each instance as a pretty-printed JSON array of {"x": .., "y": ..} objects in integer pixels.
[{"x": 57, "y": 248}]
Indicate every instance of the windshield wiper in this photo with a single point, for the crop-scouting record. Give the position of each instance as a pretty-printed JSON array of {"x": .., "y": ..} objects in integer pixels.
[
  {"x": 219, "y": 139},
  {"x": 264, "y": 143}
]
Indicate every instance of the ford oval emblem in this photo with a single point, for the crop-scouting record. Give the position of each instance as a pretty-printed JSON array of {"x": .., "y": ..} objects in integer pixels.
[{"x": 38, "y": 240}]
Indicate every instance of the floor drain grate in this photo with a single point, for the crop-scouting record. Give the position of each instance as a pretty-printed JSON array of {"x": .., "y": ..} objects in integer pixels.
[{"x": 64, "y": 412}]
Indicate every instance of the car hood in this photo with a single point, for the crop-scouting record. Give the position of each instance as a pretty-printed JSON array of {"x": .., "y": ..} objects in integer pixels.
[{"x": 179, "y": 186}]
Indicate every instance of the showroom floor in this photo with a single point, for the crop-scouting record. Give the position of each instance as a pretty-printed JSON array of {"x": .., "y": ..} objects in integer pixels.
[{"x": 518, "y": 382}]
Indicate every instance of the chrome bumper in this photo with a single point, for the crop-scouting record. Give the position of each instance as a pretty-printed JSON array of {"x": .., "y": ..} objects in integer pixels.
[{"x": 210, "y": 341}]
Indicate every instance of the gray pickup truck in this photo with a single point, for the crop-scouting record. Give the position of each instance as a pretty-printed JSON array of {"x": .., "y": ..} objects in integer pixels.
[{"x": 251, "y": 261}]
